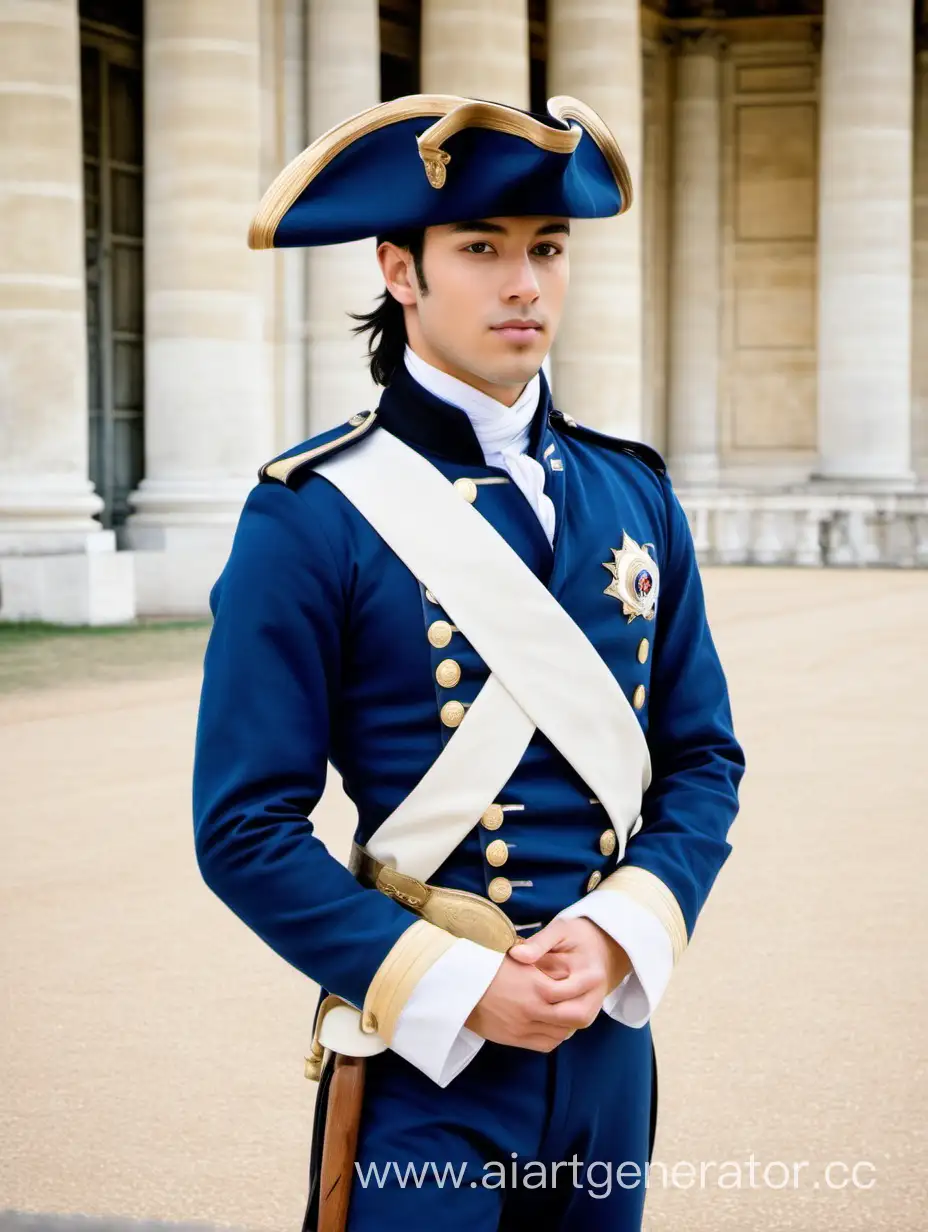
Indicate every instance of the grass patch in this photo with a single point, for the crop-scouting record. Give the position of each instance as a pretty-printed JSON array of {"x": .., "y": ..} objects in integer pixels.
[
  {"x": 40, "y": 656},
  {"x": 17, "y": 633}
]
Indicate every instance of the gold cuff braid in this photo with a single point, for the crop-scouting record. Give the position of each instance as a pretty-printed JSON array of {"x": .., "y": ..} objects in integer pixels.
[
  {"x": 648, "y": 890},
  {"x": 414, "y": 952}
]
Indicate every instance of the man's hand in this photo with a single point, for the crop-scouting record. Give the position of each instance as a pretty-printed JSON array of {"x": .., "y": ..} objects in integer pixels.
[
  {"x": 567, "y": 947},
  {"x": 550, "y": 985},
  {"x": 525, "y": 1007}
]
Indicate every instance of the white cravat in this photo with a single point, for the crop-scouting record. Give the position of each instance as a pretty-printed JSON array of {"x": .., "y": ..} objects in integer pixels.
[{"x": 503, "y": 431}]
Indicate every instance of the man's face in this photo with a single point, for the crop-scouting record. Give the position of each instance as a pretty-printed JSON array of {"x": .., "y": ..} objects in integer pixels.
[{"x": 495, "y": 293}]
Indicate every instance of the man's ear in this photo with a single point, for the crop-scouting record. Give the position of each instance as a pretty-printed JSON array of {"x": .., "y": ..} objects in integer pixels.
[{"x": 396, "y": 265}]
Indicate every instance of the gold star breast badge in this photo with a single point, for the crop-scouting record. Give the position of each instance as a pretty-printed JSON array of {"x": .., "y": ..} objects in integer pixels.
[{"x": 635, "y": 579}]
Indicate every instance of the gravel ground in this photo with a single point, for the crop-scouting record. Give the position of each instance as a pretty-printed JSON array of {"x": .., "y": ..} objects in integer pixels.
[{"x": 151, "y": 1047}]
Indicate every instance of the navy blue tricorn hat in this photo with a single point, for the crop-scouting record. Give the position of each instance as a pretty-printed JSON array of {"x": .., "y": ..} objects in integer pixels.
[{"x": 427, "y": 159}]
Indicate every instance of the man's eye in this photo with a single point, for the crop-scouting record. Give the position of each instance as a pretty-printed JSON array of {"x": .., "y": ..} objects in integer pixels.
[
  {"x": 553, "y": 250},
  {"x": 481, "y": 244}
]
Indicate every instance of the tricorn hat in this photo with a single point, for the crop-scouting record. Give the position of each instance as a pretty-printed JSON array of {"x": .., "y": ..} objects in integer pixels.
[{"x": 427, "y": 159}]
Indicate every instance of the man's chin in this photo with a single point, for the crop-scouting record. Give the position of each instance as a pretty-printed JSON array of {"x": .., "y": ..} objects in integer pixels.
[
  {"x": 516, "y": 369},
  {"x": 510, "y": 372}
]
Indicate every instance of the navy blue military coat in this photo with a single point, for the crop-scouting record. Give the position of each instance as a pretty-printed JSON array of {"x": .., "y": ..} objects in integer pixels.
[{"x": 321, "y": 650}]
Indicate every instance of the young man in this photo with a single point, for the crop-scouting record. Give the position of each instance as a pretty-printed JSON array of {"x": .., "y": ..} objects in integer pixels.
[{"x": 490, "y": 620}]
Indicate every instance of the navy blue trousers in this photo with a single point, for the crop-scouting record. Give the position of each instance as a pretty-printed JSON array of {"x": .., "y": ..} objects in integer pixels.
[{"x": 520, "y": 1139}]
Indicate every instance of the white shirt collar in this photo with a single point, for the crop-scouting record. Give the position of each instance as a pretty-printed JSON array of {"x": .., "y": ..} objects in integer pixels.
[{"x": 498, "y": 428}]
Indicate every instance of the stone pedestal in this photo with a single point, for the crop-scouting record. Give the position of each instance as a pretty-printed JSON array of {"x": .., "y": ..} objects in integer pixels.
[
  {"x": 865, "y": 243},
  {"x": 594, "y": 53},
  {"x": 93, "y": 587}
]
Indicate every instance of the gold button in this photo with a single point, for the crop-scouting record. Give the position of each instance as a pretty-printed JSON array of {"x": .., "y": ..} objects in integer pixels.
[
  {"x": 497, "y": 853},
  {"x": 466, "y": 488},
  {"x": 369, "y": 1021},
  {"x": 595, "y": 878},
  {"x": 357, "y": 420},
  {"x": 439, "y": 634},
  {"x": 638, "y": 697},
  {"x": 492, "y": 818},
  {"x": 607, "y": 842},
  {"x": 452, "y": 714},
  {"x": 499, "y": 889},
  {"x": 643, "y": 648},
  {"x": 431, "y": 598},
  {"x": 448, "y": 673}
]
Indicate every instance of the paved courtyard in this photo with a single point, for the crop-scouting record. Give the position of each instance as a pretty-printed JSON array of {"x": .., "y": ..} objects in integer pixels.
[{"x": 151, "y": 1048}]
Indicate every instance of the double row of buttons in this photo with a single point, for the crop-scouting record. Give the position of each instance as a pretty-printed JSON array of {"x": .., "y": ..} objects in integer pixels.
[
  {"x": 448, "y": 675},
  {"x": 607, "y": 845},
  {"x": 448, "y": 672},
  {"x": 497, "y": 853}
]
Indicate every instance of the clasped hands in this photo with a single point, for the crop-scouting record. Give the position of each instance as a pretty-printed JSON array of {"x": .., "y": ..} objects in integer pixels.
[{"x": 550, "y": 985}]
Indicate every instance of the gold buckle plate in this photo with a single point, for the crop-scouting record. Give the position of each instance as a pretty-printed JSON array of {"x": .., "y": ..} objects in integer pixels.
[{"x": 459, "y": 912}]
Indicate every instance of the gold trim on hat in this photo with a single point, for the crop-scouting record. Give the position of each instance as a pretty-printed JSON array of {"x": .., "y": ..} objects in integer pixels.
[
  {"x": 453, "y": 113},
  {"x": 301, "y": 172},
  {"x": 500, "y": 119},
  {"x": 563, "y": 107}
]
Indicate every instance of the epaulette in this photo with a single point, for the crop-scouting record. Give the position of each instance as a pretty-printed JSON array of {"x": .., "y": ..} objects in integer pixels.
[
  {"x": 635, "y": 449},
  {"x": 288, "y": 467}
]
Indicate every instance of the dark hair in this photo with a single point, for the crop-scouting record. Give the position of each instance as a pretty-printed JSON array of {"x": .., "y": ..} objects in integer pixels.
[{"x": 385, "y": 325}]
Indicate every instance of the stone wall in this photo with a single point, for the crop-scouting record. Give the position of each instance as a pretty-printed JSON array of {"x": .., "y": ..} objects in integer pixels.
[{"x": 769, "y": 205}]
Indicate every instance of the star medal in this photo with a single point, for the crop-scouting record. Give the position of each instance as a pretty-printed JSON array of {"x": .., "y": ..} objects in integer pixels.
[{"x": 635, "y": 579}]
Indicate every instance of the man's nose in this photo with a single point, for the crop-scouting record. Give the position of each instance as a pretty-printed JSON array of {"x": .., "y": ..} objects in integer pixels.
[{"x": 521, "y": 284}]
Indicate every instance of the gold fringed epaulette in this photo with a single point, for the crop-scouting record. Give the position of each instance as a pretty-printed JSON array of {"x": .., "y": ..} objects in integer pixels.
[
  {"x": 289, "y": 467},
  {"x": 635, "y": 449}
]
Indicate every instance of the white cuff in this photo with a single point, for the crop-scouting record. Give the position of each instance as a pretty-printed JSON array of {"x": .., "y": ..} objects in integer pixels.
[
  {"x": 644, "y": 939},
  {"x": 430, "y": 1031}
]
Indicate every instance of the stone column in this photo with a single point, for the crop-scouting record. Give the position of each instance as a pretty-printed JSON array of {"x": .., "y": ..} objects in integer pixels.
[
  {"x": 594, "y": 53},
  {"x": 656, "y": 185},
  {"x": 292, "y": 417},
  {"x": 865, "y": 242},
  {"x": 920, "y": 270},
  {"x": 477, "y": 48},
  {"x": 695, "y": 288},
  {"x": 56, "y": 564},
  {"x": 208, "y": 424},
  {"x": 46, "y": 499},
  {"x": 343, "y": 78}
]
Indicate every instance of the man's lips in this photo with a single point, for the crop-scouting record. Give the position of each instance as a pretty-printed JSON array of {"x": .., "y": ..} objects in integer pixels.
[{"x": 518, "y": 331}]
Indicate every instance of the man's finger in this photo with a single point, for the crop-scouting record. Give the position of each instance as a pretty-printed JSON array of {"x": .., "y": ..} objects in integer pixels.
[
  {"x": 577, "y": 984},
  {"x": 578, "y": 1012},
  {"x": 530, "y": 950},
  {"x": 556, "y": 964}
]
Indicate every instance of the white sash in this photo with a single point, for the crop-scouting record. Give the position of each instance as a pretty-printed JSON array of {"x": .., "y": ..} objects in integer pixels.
[{"x": 545, "y": 672}]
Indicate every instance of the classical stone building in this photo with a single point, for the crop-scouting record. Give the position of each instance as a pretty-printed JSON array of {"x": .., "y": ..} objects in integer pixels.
[{"x": 760, "y": 315}]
